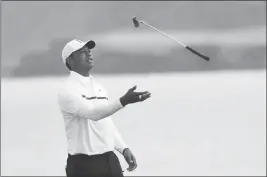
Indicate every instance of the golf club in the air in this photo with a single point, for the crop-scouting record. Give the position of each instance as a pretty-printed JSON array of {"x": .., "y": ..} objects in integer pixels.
[{"x": 137, "y": 24}]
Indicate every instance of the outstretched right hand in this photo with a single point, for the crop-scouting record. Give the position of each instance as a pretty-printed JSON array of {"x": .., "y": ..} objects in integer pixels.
[{"x": 133, "y": 97}]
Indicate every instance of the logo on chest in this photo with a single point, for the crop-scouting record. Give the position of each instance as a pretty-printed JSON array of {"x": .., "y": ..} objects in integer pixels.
[{"x": 94, "y": 97}]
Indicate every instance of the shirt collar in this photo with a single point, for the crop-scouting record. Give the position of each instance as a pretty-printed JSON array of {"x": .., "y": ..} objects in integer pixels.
[{"x": 80, "y": 78}]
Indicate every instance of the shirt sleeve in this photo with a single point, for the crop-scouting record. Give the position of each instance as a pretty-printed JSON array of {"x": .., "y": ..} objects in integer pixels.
[
  {"x": 120, "y": 145},
  {"x": 72, "y": 102}
]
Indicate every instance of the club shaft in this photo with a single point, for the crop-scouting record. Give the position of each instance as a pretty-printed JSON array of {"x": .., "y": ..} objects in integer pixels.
[
  {"x": 163, "y": 33},
  {"x": 175, "y": 40}
]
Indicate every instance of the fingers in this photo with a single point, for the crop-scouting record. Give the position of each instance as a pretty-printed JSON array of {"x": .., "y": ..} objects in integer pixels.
[
  {"x": 132, "y": 97},
  {"x": 133, "y": 88},
  {"x": 145, "y": 96},
  {"x": 130, "y": 159},
  {"x": 132, "y": 167},
  {"x": 141, "y": 93},
  {"x": 137, "y": 93},
  {"x": 132, "y": 164}
]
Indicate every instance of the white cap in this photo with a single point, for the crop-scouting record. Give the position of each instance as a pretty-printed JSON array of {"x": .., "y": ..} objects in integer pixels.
[{"x": 75, "y": 45}]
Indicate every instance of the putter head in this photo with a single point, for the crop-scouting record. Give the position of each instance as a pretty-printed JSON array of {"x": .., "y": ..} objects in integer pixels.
[{"x": 135, "y": 22}]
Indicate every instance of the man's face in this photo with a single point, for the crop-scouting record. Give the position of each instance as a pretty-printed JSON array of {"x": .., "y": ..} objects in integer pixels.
[{"x": 82, "y": 58}]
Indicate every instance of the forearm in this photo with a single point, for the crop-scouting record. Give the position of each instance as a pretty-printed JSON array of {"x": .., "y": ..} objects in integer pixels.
[{"x": 98, "y": 113}]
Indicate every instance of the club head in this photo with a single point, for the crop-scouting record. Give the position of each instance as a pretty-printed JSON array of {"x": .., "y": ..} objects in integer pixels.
[{"x": 135, "y": 22}]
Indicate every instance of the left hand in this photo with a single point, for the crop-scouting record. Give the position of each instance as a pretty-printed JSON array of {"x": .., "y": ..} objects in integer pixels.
[{"x": 130, "y": 159}]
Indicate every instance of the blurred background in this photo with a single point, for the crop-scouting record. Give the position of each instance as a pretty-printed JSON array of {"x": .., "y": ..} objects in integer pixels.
[{"x": 204, "y": 118}]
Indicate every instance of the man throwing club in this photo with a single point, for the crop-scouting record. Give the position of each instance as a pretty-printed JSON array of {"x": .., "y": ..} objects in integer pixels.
[{"x": 92, "y": 137}]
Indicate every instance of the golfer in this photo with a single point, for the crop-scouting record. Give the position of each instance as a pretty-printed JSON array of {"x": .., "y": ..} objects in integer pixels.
[{"x": 92, "y": 137}]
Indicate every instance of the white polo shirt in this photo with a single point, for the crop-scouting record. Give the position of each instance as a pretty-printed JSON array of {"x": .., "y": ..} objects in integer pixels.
[{"x": 87, "y": 115}]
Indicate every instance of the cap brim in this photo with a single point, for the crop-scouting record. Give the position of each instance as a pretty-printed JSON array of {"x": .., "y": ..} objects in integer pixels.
[{"x": 90, "y": 44}]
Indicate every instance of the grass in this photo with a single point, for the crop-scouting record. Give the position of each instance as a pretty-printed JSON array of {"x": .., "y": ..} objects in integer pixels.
[{"x": 194, "y": 124}]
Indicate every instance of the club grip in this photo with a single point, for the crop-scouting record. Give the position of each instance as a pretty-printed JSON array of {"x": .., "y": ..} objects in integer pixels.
[{"x": 199, "y": 54}]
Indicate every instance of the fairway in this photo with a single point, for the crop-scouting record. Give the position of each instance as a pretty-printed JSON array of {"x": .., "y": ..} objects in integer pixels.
[{"x": 210, "y": 123}]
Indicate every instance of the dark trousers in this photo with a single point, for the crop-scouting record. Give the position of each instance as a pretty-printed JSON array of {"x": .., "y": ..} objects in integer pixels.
[{"x": 106, "y": 164}]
